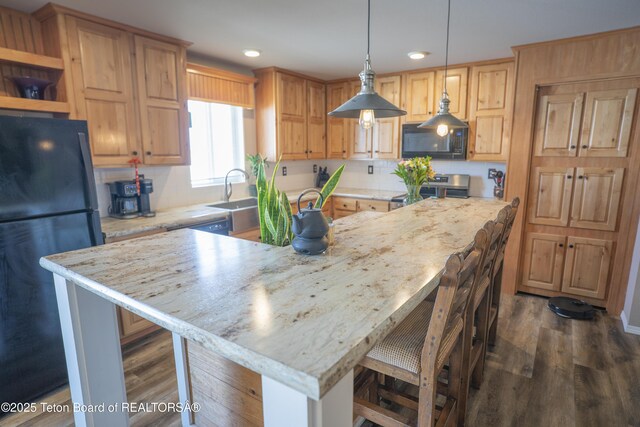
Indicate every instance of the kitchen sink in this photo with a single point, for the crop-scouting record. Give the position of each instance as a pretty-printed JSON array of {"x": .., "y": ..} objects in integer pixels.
[{"x": 243, "y": 213}]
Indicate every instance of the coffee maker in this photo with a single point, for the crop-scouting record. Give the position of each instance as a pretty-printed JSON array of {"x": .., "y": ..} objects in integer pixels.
[{"x": 126, "y": 203}]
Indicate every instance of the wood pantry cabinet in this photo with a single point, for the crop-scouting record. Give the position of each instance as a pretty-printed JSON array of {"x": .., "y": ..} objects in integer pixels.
[
  {"x": 579, "y": 169},
  {"x": 490, "y": 111},
  {"x": 129, "y": 85},
  {"x": 290, "y": 116}
]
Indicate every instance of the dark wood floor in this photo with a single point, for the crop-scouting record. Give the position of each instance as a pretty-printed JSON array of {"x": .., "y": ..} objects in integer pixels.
[{"x": 543, "y": 371}]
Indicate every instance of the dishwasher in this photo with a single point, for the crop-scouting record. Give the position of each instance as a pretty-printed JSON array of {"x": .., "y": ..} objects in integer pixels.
[{"x": 216, "y": 226}]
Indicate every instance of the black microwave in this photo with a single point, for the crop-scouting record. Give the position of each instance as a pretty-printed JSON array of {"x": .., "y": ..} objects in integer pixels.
[{"x": 421, "y": 142}]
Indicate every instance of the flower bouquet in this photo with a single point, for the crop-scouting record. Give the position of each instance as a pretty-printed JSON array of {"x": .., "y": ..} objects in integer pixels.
[{"x": 414, "y": 172}]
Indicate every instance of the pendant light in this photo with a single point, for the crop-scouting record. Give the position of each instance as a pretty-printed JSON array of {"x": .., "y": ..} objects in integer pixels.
[
  {"x": 367, "y": 105},
  {"x": 444, "y": 122}
]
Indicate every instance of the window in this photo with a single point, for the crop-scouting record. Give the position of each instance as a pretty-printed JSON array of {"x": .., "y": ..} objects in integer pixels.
[{"x": 217, "y": 143}]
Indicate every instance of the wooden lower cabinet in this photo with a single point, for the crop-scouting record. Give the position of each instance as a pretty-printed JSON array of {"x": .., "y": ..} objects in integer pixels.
[
  {"x": 133, "y": 327},
  {"x": 572, "y": 265},
  {"x": 252, "y": 235},
  {"x": 586, "y": 268}
]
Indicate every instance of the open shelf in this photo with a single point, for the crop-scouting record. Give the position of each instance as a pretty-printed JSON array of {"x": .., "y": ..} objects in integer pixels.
[
  {"x": 30, "y": 59},
  {"x": 14, "y": 103}
]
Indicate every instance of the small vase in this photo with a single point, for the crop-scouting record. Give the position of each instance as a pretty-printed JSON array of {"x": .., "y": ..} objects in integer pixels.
[{"x": 413, "y": 194}]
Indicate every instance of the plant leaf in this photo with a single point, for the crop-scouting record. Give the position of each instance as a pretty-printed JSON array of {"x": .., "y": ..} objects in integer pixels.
[{"x": 329, "y": 187}]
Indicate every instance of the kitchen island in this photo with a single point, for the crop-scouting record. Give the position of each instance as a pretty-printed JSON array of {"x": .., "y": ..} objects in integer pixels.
[{"x": 301, "y": 322}]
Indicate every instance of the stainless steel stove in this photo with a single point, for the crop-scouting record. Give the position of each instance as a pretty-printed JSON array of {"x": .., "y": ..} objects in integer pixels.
[{"x": 456, "y": 186}]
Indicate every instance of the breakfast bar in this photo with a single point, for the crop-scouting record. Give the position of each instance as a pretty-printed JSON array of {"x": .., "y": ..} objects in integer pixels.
[{"x": 301, "y": 322}]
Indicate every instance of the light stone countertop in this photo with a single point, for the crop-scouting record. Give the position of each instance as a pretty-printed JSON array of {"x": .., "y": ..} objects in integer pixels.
[
  {"x": 304, "y": 321},
  {"x": 196, "y": 214},
  {"x": 169, "y": 218}
]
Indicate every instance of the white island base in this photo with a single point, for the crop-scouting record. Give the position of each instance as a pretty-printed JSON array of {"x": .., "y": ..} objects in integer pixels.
[{"x": 96, "y": 376}]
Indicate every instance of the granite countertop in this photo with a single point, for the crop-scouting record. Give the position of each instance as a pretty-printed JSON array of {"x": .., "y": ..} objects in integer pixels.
[
  {"x": 304, "y": 321},
  {"x": 169, "y": 218},
  {"x": 196, "y": 214}
]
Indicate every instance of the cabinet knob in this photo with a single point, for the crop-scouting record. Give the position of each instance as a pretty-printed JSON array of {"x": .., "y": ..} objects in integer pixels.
[
  {"x": 368, "y": 151},
  {"x": 148, "y": 153},
  {"x": 344, "y": 151},
  {"x": 311, "y": 151},
  {"x": 377, "y": 151},
  {"x": 585, "y": 146},
  {"x": 570, "y": 246},
  {"x": 306, "y": 151},
  {"x": 561, "y": 245},
  {"x": 580, "y": 176},
  {"x": 569, "y": 177},
  {"x": 134, "y": 153},
  {"x": 573, "y": 147}
]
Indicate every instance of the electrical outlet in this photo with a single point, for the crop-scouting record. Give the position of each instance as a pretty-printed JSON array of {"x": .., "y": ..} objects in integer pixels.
[
  {"x": 315, "y": 168},
  {"x": 492, "y": 173},
  {"x": 284, "y": 171},
  {"x": 370, "y": 170}
]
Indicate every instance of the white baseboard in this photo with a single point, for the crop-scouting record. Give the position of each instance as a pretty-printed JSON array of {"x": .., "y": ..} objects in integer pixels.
[{"x": 630, "y": 329}]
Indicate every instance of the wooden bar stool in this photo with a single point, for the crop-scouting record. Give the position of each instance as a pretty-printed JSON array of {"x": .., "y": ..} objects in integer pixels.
[
  {"x": 417, "y": 350},
  {"x": 496, "y": 282}
]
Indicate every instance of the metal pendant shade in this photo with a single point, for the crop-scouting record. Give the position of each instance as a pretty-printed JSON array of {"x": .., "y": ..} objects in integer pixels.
[
  {"x": 444, "y": 119},
  {"x": 367, "y": 98}
]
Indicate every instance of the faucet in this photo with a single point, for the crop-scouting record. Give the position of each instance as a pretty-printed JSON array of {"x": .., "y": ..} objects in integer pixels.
[{"x": 228, "y": 190}]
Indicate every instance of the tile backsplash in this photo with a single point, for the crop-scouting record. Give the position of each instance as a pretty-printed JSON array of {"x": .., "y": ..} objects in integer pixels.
[{"x": 172, "y": 184}]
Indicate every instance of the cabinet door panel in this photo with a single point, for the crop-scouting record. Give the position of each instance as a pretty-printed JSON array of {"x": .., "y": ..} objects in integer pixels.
[
  {"x": 543, "y": 261},
  {"x": 550, "y": 195},
  {"x": 488, "y": 136},
  {"x": 386, "y": 132},
  {"x": 558, "y": 125},
  {"x": 103, "y": 83},
  {"x": 161, "y": 70},
  {"x": 292, "y": 133},
  {"x": 291, "y": 95},
  {"x": 316, "y": 142},
  {"x": 586, "y": 271},
  {"x": 336, "y": 128},
  {"x": 607, "y": 123},
  {"x": 457, "y": 79},
  {"x": 596, "y": 198},
  {"x": 419, "y": 96}
]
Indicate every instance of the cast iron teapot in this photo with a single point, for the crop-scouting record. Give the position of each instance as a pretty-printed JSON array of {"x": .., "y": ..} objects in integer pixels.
[{"x": 310, "y": 228}]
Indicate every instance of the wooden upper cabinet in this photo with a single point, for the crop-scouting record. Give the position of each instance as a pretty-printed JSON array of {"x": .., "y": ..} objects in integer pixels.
[
  {"x": 557, "y": 127},
  {"x": 386, "y": 132},
  {"x": 550, "y": 195},
  {"x": 586, "y": 270},
  {"x": 336, "y": 128},
  {"x": 607, "y": 123},
  {"x": 457, "y": 80},
  {"x": 162, "y": 97},
  {"x": 543, "y": 261},
  {"x": 290, "y": 116},
  {"x": 359, "y": 141},
  {"x": 102, "y": 76},
  {"x": 316, "y": 119},
  {"x": 419, "y": 96},
  {"x": 596, "y": 198},
  {"x": 490, "y": 111}
]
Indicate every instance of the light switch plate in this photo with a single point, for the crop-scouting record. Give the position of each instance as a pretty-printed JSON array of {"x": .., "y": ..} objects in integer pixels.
[
  {"x": 370, "y": 170},
  {"x": 492, "y": 173},
  {"x": 315, "y": 168},
  {"x": 284, "y": 171}
]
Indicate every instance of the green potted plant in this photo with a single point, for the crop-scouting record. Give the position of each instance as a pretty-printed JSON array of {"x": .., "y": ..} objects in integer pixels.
[
  {"x": 274, "y": 208},
  {"x": 414, "y": 172},
  {"x": 255, "y": 160}
]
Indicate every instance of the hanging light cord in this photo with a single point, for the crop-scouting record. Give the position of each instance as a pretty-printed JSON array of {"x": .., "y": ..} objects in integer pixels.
[
  {"x": 446, "y": 55},
  {"x": 368, "y": 26}
]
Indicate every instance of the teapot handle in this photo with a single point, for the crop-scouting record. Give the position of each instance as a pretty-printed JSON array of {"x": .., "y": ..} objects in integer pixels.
[{"x": 310, "y": 190}]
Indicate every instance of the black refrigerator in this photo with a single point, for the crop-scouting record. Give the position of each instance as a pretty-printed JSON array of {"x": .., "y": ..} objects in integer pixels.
[{"x": 48, "y": 205}]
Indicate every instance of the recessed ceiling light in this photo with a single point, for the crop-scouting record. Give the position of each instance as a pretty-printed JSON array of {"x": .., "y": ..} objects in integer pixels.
[
  {"x": 251, "y": 53},
  {"x": 417, "y": 54}
]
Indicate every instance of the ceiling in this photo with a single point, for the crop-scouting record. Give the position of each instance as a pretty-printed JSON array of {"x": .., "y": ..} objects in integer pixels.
[{"x": 327, "y": 39}]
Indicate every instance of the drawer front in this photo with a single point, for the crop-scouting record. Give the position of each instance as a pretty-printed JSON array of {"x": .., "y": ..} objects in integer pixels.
[
  {"x": 340, "y": 213},
  {"x": 345, "y": 204},
  {"x": 373, "y": 205}
]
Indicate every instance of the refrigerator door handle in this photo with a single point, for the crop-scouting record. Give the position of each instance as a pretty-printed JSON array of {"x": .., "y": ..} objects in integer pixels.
[{"x": 88, "y": 171}]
